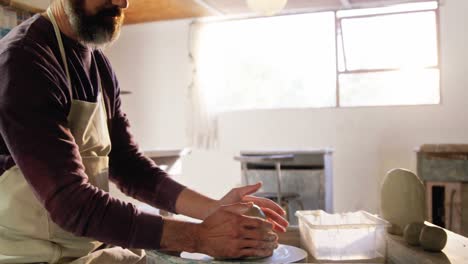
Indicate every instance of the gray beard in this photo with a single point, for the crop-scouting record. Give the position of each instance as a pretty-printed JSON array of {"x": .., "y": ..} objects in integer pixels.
[{"x": 95, "y": 36}]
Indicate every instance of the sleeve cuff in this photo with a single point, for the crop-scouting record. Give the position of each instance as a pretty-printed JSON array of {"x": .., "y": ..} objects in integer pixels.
[
  {"x": 148, "y": 231},
  {"x": 167, "y": 193}
]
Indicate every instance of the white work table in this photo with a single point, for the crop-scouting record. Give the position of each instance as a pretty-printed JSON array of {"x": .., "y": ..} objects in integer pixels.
[
  {"x": 398, "y": 252},
  {"x": 455, "y": 252}
]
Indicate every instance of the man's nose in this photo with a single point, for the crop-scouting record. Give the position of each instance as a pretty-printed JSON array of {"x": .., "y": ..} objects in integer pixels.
[{"x": 120, "y": 3}]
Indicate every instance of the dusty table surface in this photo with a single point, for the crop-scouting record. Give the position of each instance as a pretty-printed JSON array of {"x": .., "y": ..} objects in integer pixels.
[
  {"x": 398, "y": 252},
  {"x": 455, "y": 252},
  {"x": 283, "y": 254}
]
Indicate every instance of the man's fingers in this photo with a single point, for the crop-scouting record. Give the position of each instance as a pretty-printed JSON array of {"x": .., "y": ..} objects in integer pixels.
[
  {"x": 256, "y": 234},
  {"x": 264, "y": 203},
  {"x": 276, "y": 218},
  {"x": 251, "y": 247},
  {"x": 251, "y": 252},
  {"x": 238, "y": 208},
  {"x": 255, "y": 222},
  {"x": 278, "y": 228},
  {"x": 249, "y": 189},
  {"x": 257, "y": 244}
]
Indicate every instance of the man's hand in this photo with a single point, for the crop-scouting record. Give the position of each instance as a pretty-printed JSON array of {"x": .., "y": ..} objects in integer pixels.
[
  {"x": 196, "y": 205},
  {"x": 272, "y": 210},
  {"x": 226, "y": 233}
]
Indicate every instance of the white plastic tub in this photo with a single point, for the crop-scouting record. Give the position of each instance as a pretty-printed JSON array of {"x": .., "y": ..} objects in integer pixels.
[{"x": 349, "y": 236}]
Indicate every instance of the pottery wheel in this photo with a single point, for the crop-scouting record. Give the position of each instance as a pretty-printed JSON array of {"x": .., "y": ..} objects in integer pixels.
[{"x": 283, "y": 254}]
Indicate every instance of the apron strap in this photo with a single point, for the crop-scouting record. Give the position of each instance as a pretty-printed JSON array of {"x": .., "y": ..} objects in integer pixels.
[
  {"x": 64, "y": 55},
  {"x": 60, "y": 43}
]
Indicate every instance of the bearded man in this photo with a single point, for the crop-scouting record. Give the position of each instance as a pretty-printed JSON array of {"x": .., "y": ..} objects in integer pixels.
[{"x": 63, "y": 136}]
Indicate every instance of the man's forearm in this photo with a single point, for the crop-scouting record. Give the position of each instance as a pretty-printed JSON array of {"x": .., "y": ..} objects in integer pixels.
[
  {"x": 135, "y": 174},
  {"x": 196, "y": 205}
]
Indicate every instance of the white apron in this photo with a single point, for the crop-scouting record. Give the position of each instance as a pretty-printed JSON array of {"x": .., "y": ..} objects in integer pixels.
[{"x": 27, "y": 233}]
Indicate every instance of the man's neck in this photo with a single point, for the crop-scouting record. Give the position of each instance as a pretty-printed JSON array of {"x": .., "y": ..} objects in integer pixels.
[{"x": 61, "y": 17}]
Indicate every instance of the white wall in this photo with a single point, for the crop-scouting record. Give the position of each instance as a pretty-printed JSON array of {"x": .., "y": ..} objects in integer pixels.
[{"x": 151, "y": 60}]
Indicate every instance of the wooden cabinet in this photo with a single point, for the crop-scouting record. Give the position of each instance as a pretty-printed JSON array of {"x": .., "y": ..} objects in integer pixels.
[
  {"x": 444, "y": 170},
  {"x": 10, "y": 17},
  {"x": 447, "y": 205}
]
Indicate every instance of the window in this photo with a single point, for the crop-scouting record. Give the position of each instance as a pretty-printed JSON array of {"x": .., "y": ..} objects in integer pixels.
[
  {"x": 388, "y": 59},
  {"x": 378, "y": 56},
  {"x": 278, "y": 62}
]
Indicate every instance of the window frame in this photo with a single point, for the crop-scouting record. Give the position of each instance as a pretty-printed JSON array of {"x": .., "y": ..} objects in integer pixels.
[{"x": 339, "y": 36}]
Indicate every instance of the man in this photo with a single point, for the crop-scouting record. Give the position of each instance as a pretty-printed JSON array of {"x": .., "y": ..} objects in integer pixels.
[{"x": 63, "y": 135}]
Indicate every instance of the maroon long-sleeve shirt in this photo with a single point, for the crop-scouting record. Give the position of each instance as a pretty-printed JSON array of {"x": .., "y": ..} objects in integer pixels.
[{"x": 35, "y": 100}]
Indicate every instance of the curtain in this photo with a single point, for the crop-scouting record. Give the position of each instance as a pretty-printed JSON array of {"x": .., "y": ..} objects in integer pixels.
[{"x": 202, "y": 123}]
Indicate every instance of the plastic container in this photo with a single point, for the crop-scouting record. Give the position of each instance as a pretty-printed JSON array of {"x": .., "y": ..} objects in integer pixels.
[{"x": 348, "y": 236}]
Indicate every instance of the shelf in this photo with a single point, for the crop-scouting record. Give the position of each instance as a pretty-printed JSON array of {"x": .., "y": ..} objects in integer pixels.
[
  {"x": 124, "y": 92},
  {"x": 32, "y": 6}
]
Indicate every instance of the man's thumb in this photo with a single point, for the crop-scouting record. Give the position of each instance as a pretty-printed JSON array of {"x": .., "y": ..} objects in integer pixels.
[{"x": 249, "y": 189}]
